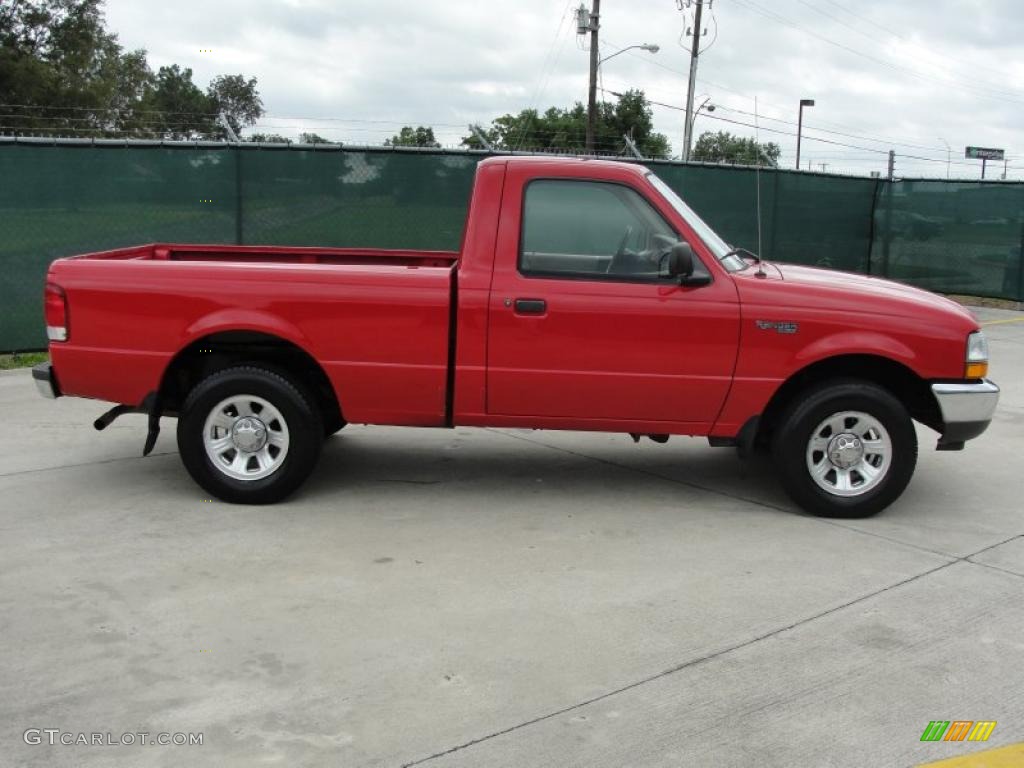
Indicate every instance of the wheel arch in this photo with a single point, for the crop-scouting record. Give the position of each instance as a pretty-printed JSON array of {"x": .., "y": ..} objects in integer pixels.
[
  {"x": 226, "y": 348},
  {"x": 903, "y": 382}
]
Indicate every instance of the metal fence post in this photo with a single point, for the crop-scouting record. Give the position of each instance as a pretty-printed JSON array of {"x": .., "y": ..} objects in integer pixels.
[
  {"x": 872, "y": 230},
  {"x": 1020, "y": 261},
  {"x": 238, "y": 195},
  {"x": 775, "y": 216},
  {"x": 887, "y": 234}
]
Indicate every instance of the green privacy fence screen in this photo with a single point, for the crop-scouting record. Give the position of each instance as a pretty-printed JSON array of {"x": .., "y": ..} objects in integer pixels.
[{"x": 62, "y": 198}]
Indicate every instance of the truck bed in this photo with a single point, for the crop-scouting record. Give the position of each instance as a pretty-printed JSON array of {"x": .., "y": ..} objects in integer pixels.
[
  {"x": 376, "y": 320},
  {"x": 275, "y": 254}
]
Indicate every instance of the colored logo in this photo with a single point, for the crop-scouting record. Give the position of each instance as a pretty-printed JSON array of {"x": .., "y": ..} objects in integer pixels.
[{"x": 958, "y": 730}]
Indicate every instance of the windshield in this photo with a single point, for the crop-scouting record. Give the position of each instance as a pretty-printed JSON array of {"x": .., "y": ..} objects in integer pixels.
[{"x": 716, "y": 244}]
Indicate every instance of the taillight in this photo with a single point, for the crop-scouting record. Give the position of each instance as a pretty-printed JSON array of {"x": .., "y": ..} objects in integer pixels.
[{"x": 56, "y": 310}]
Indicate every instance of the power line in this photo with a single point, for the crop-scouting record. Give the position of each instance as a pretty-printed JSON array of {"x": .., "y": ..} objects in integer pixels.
[
  {"x": 714, "y": 37},
  {"x": 835, "y": 133},
  {"x": 934, "y": 60},
  {"x": 972, "y": 87},
  {"x": 746, "y": 96},
  {"x": 810, "y": 138},
  {"x": 836, "y": 19},
  {"x": 130, "y": 110},
  {"x": 819, "y": 128},
  {"x": 548, "y": 66},
  {"x": 865, "y": 19},
  {"x": 403, "y": 123}
]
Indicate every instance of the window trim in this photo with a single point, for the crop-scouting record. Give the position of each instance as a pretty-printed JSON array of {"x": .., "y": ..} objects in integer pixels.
[{"x": 589, "y": 276}]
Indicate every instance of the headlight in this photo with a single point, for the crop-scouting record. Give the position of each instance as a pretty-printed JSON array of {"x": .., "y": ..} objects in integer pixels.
[{"x": 976, "y": 363}]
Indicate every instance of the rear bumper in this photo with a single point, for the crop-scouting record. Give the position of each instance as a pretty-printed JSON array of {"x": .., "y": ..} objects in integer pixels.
[
  {"x": 966, "y": 411},
  {"x": 46, "y": 381}
]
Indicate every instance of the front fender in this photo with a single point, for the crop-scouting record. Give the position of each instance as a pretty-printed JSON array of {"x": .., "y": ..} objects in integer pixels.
[
  {"x": 767, "y": 364},
  {"x": 855, "y": 342}
]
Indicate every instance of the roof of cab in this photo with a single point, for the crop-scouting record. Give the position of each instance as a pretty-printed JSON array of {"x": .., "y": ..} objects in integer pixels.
[{"x": 564, "y": 162}]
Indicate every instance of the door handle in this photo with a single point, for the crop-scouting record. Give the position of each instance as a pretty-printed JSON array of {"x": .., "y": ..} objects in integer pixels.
[{"x": 531, "y": 306}]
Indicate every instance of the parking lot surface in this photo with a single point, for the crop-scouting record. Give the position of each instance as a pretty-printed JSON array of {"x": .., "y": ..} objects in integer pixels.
[{"x": 503, "y": 598}]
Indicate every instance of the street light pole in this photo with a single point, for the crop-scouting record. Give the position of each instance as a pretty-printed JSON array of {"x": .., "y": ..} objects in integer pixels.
[
  {"x": 595, "y": 23},
  {"x": 800, "y": 127},
  {"x": 693, "y": 120},
  {"x": 948, "y": 150},
  {"x": 643, "y": 47},
  {"x": 595, "y": 65}
]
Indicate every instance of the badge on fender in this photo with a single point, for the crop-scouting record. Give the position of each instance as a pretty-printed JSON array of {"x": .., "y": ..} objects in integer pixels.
[{"x": 778, "y": 325}]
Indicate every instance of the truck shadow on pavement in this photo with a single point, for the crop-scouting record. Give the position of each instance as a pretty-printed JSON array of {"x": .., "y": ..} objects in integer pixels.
[{"x": 505, "y": 465}]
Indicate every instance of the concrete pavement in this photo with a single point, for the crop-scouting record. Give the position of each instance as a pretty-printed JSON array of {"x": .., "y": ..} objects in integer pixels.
[{"x": 502, "y": 598}]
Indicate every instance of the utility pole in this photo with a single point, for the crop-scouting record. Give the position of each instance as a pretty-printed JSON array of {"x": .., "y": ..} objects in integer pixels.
[
  {"x": 595, "y": 24},
  {"x": 892, "y": 165},
  {"x": 694, "y": 54}
]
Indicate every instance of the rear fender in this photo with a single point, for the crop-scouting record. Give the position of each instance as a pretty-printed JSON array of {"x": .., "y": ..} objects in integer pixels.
[{"x": 245, "y": 320}]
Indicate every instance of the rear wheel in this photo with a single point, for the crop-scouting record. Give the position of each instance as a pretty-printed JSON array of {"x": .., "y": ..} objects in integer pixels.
[
  {"x": 846, "y": 449},
  {"x": 249, "y": 435}
]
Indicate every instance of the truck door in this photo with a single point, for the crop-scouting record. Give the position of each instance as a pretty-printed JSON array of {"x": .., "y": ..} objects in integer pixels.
[{"x": 581, "y": 326}]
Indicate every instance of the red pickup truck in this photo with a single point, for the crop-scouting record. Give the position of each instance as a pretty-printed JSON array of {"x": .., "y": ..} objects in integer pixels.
[{"x": 586, "y": 296}]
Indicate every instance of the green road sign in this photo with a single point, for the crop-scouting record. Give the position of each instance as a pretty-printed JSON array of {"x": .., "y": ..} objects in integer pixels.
[{"x": 983, "y": 153}]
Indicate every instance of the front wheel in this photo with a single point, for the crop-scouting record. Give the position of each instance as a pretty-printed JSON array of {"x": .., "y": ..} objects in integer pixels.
[
  {"x": 845, "y": 449},
  {"x": 249, "y": 435}
]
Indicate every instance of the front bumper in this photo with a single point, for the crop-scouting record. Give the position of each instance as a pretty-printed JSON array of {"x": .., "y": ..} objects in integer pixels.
[
  {"x": 46, "y": 380},
  {"x": 966, "y": 409}
]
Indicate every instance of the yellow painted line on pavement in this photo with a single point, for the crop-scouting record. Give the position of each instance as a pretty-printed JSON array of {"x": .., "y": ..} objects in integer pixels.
[
  {"x": 1004, "y": 757},
  {"x": 1008, "y": 320}
]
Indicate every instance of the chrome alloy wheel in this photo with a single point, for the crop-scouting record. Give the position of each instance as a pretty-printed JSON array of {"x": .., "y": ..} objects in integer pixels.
[
  {"x": 849, "y": 453},
  {"x": 246, "y": 437}
]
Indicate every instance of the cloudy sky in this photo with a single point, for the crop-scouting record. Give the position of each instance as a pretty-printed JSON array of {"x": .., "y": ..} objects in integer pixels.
[{"x": 912, "y": 76}]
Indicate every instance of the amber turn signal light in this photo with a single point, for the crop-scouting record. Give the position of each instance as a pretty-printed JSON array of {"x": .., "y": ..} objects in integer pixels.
[{"x": 975, "y": 370}]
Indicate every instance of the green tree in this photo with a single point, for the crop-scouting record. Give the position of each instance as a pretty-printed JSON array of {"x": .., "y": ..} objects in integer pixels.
[
  {"x": 313, "y": 138},
  {"x": 724, "y": 147},
  {"x": 70, "y": 76},
  {"x": 413, "y": 137},
  {"x": 268, "y": 138},
  {"x": 177, "y": 108},
  {"x": 632, "y": 115},
  {"x": 237, "y": 99},
  {"x": 566, "y": 129},
  {"x": 68, "y": 72}
]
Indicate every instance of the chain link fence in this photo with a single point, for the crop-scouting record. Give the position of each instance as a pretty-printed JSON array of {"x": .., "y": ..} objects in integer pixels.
[
  {"x": 60, "y": 198},
  {"x": 952, "y": 237}
]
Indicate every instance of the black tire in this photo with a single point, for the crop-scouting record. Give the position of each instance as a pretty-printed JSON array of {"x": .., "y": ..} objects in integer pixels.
[
  {"x": 301, "y": 418},
  {"x": 793, "y": 454}
]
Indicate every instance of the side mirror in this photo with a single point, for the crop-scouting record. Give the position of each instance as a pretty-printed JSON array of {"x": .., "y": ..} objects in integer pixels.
[
  {"x": 679, "y": 261},
  {"x": 680, "y": 264}
]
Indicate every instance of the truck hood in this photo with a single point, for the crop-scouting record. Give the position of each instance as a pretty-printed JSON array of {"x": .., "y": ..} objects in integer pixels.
[{"x": 865, "y": 293}]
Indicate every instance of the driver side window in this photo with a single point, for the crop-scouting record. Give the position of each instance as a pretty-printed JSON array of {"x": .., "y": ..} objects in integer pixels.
[{"x": 592, "y": 230}]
